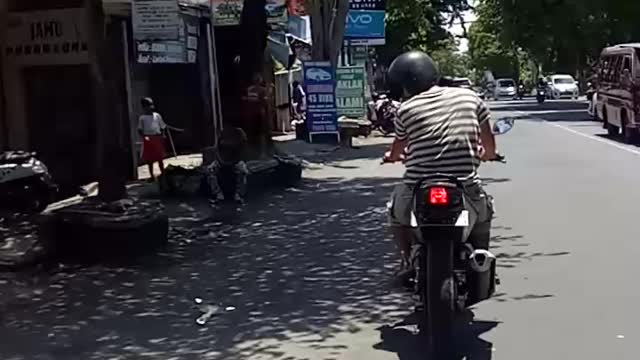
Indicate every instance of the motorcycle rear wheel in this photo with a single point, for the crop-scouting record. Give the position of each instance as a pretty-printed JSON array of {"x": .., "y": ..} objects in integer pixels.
[{"x": 436, "y": 276}]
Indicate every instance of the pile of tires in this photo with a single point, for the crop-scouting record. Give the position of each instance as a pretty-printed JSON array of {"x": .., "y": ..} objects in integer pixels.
[{"x": 93, "y": 231}]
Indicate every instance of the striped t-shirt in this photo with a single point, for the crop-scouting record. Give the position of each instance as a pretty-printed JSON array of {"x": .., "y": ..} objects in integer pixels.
[{"x": 442, "y": 127}]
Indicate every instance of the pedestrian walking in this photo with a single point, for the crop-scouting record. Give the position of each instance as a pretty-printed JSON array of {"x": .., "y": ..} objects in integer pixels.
[
  {"x": 299, "y": 99},
  {"x": 151, "y": 128}
]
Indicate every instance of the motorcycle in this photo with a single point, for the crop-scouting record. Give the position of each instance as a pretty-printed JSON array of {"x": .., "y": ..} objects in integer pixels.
[
  {"x": 541, "y": 95},
  {"x": 521, "y": 91},
  {"x": 450, "y": 274},
  {"x": 386, "y": 111},
  {"x": 25, "y": 183}
]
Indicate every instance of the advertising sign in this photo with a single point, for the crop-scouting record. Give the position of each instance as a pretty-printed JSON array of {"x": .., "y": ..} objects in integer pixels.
[
  {"x": 350, "y": 83},
  {"x": 48, "y": 37},
  {"x": 155, "y": 19},
  {"x": 226, "y": 12},
  {"x": 181, "y": 51},
  {"x": 229, "y": 12},
  {"x": 360, "y": 55},
  {"x": 366, "y": 22},
  {"x": 378, "y": 5},
  {"x": 322, "y": 114},
  {"x": 276, "y": 11}
]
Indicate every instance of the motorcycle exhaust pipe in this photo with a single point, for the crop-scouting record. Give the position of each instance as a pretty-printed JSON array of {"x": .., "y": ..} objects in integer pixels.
[{"x": 481, "y": 260}]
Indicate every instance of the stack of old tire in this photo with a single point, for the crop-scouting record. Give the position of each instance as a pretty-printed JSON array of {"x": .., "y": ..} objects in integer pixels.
[{"x": 92, "y": 230}]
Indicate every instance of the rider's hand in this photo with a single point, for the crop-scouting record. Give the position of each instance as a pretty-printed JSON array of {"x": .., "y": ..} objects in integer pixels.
[
  {"x": 481, "y": 151},
  {"x": 389, "y": 159}
]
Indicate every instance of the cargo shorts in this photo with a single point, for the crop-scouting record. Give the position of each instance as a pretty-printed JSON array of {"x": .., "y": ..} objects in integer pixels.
[{"x": 477, "y": 202}]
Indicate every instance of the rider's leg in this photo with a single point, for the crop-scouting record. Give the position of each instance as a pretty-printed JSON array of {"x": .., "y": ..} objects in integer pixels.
[
  {"x": 212, "y": 179},
  {"x": 480, "y": 209},
  {"x": 241, "y": 171},
  {"x": 400, "y": 208}
]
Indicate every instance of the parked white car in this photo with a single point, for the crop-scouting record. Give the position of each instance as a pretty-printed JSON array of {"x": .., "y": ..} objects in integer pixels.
[
  {"x": 563, "y": 86},
  {"x": 505, "y": 88}
]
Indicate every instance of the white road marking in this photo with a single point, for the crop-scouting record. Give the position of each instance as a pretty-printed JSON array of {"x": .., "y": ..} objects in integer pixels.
[{"x": 586, "y": 136}]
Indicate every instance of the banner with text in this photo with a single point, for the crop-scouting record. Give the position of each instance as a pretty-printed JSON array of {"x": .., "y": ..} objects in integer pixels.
[
  {"x": 229, "y": 12},
  {"x": 276, "y": 11},
  {"x": 378, "y": 5},
  {"x": 46, "y": 37},
  {"x": 226, "y": 12},
  {"x": 181, "y": 51},
  {"x": 155, "y": 19},
  {"x": 350, "y": 83},
  {"x": 322, "y": 114}
]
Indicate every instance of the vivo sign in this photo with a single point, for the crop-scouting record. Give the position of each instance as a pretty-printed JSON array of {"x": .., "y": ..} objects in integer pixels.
[
  {"x": 365, "y": 25},
  {"x": 359, "y": 19}
]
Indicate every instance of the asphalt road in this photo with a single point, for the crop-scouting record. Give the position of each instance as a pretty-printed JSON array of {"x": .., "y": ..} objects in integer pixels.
[{"x": 307, "y": 271}]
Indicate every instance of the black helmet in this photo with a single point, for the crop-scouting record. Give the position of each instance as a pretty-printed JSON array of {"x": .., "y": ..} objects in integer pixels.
[{"x": 413, "y": 72}]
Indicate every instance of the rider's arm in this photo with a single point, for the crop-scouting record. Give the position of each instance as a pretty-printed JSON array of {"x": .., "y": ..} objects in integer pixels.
[
  {"x": 400, "y": 142},
  {"x": 486, "y": 134}
]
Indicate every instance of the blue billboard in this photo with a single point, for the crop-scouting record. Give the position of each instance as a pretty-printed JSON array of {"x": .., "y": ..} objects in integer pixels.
[
  {"x": 365, "y": 24},
  {"x": 320, "y": 84}
]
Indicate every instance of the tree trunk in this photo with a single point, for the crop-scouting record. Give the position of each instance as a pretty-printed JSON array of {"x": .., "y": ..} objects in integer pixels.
[
  {"x": 254, "y": 32},
  {"x": 111, "y": 156},
  {"x": 328, "y": 21}
]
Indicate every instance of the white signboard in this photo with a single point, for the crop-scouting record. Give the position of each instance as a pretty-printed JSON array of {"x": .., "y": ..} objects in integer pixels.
[
  {"x": 48, "y": 37},
  {"x": 156, "y": 19}
]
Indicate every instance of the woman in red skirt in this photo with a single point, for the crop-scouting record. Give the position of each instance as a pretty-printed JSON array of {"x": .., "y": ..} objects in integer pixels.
[{"x": 151, "y": 127}]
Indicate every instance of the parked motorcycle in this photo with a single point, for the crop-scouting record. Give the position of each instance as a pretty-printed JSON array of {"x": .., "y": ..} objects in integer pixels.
[
  {"x": 25, "y": 183},
  {"x": 521, "y": 91},
  {"x": 541, "y": 94},
  {"x": 451, "y": 275},
  {"x": 386, "y": 111}
]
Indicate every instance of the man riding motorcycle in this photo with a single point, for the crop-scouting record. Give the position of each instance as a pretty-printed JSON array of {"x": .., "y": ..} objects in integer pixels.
[{"x": 439, "y": 130}]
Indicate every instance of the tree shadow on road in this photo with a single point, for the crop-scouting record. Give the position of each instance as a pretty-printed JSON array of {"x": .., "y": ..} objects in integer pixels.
[
  {"x": 409, "y": 345},
  {"x": 300, "y": 268},
  {"x": 297, "y": 271}
]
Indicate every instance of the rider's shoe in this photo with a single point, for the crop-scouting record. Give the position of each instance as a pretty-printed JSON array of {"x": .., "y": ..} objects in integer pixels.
[{"x": 404, "y": 279}]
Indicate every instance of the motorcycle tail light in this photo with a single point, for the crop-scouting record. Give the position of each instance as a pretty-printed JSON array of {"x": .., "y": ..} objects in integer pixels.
[{"x": 438, "y": 196}]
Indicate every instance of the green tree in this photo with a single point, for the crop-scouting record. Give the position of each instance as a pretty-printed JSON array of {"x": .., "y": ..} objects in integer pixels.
[
  {"x": 450, "y": 61},
  {"x": 419, "y": 25},
  {"x": 565, "y": 36},
  {"x": 489, "y": 50}
]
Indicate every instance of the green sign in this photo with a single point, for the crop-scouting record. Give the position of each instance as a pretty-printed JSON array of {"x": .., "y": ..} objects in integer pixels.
[
  {"x": 360, "y": 55},
  {"x": 350, "y": 82}
]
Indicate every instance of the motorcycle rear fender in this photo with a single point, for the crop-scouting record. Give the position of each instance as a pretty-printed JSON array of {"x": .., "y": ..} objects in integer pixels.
[{"x": 452, "y": 214}]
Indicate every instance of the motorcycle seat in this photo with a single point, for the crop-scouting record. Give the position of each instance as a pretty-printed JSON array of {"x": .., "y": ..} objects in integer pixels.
[{"x": 15, "y": 157}]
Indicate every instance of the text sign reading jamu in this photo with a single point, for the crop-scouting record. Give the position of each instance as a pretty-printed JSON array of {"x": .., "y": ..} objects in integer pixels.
[{"x": 48, "y": 37}]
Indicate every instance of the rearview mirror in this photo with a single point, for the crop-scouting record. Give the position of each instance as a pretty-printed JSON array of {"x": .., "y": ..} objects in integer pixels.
[{"x": 503, "y": 126}]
